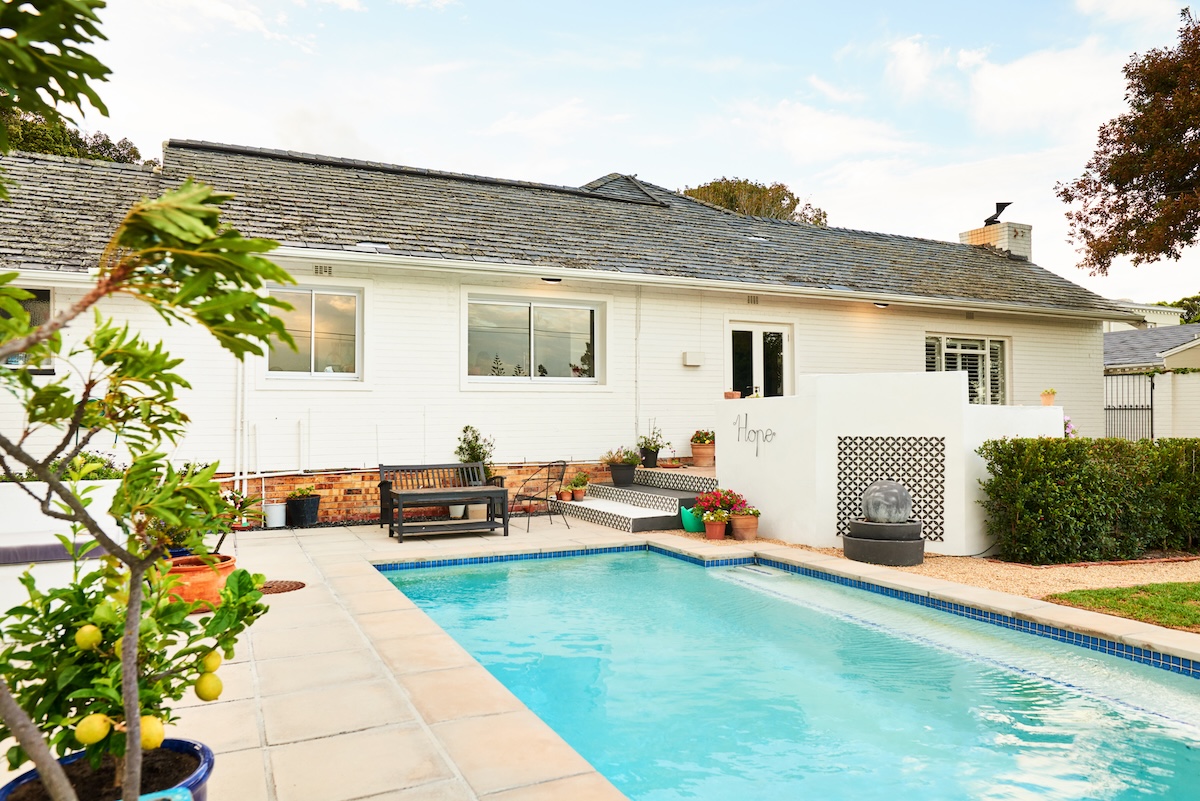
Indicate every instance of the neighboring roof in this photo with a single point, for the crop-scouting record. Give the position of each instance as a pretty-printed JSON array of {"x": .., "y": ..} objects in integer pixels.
[
  {"x": 614, "y": 224},
  {"x": 1147, "y": 346}
]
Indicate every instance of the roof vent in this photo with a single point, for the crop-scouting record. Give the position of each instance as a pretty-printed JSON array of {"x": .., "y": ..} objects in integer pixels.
[
  {"x": 752, "y": 300},
  {"x": 322, "y": 269}
]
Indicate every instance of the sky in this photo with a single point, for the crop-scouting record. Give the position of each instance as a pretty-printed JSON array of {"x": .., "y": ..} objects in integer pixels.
[{"x": 909, "y": 118}]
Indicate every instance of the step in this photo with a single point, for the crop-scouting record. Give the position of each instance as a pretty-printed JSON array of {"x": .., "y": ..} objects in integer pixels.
[
  {"x": 687, "y": 479},
  {"x": 618, "y": 515},
  {"x": 666, "y": 500}
]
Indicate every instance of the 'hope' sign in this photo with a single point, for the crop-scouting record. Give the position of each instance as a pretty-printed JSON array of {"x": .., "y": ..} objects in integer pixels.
[{"x": 747, "y": 434}]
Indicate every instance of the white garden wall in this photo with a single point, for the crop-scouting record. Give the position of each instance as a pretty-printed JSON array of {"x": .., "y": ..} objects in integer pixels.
[{"x": 793, "y": 457}]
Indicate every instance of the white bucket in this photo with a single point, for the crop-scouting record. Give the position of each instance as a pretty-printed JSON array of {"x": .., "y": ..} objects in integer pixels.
[{"x": 275, "y": 513}]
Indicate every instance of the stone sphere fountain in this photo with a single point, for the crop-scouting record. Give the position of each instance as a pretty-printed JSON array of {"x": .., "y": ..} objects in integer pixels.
[{"x": 887, "y": 534}]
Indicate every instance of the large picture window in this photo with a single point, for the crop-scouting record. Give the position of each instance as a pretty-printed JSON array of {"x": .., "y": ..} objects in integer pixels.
[
  {"x": 531, "y": 341},
  {"x": 981, "y": 359},
  {"x": 325, "y": 325},
  {"x": 38, "y": 308}
]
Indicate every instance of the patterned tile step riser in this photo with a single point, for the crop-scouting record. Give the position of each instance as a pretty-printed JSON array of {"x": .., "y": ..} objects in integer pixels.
[
  {"x": 618, "y": 521},
  {"x": 631, "y": 496},
  {"x": 675, "y": 481}
]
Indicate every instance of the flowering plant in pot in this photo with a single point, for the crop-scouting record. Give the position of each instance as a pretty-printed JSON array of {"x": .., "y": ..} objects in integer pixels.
[
  {"x": 715, "y": 521},
  {"x": 91, "y": 667},
  {"x": 704, "y": 448},
  {"x": 579, "y": 486}
]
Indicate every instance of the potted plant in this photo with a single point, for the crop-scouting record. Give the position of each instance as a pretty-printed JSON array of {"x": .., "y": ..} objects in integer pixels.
[
  {"x": 622, "y": 464},
  {"x": 245, "y": 514},
  {"x": 1048, "y": 396},
  {"x": 650, "y": 444},
  {"x": 723, "y": 500},
  {"x": 88, "y": 670},
  {"x": 704, "y": 448},
  {"x": 565, "y": 493},
  {"x": 715, "y": 522},
  {"x": 579, "y": 486},
  {"x": 743, "y": 522},
  {"x": 303, "y": 504},
  {"x": 475, "y": 447}
]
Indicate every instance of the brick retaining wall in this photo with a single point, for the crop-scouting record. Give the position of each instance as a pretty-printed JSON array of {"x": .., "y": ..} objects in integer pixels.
[{"x": 353, "y": 495}]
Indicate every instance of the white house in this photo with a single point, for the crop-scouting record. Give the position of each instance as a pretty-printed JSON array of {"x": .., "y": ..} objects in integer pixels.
[
  {"x": 562, "y": 321},
  {"x": 1152, "y": 382}
]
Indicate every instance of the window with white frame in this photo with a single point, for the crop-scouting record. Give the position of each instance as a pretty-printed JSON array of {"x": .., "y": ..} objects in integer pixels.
[
  {"x": 982, "y": 359},
  {"x": 517, "y": 340},
  {"x": 325, "y": 323},
  {"x": 38, "y": 307}
]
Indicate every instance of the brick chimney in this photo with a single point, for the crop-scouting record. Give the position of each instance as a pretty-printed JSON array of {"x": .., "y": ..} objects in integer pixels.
[{"x": 1014, "y": 238}]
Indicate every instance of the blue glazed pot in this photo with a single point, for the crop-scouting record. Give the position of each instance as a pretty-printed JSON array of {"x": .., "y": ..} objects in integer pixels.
[{"x": 197, "y": 783}]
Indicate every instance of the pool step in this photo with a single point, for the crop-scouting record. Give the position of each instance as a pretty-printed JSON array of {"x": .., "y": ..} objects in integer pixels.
[{"x": 617, "y": 514}]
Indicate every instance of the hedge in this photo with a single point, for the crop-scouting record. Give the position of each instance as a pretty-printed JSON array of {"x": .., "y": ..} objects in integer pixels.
[{"x": 1053, "y": 501}]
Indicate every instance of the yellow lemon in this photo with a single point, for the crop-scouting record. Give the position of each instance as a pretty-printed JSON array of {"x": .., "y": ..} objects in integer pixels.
[
  {"x": 88, "y": 637},
  {"x": 152, "y": 732},
  {"x": 208, "y": 687},
  {"x": 93, "y": 728},
  {"x": 210, "y": 662}
]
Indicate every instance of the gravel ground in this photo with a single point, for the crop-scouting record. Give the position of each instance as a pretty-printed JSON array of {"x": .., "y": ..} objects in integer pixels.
[{"x": 1031, "y": 581}]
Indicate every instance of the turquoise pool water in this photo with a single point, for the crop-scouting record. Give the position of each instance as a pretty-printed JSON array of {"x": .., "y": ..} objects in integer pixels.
[{"x": 678, "y": 682}]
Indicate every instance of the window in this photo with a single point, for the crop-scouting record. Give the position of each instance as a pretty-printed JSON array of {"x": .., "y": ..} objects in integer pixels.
[
  {"x": 325, "y": 325},
  {"x": 531, "y": 341},
  {"x": 982, "y": 359},
  {"x": 39, "y": 312}
]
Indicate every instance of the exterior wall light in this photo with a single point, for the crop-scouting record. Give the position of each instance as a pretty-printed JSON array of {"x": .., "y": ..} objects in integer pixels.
[
  {"x": 877, "y": 305},
  {"x": 552, "y": 280}
]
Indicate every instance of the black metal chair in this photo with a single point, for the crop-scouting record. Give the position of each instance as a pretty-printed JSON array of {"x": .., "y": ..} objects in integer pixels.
[{"x": 539, "y": 492}]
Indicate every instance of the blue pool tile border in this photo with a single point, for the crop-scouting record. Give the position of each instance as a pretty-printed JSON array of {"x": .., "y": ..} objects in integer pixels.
[{"x": 1145, "y": 656}]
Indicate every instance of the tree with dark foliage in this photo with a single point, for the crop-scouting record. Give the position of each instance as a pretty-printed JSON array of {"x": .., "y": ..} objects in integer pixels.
[
  {"x": 1140, "y": 193},
  {"x": 757, "y": 200},
  {"x": 1190, "y": 306},
  {"x": 33, "y": 133}
]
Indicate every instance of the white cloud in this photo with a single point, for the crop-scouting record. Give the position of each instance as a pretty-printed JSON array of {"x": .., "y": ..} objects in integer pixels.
[
  {"x": 1066, "y": 94},
  {"x": 346, "y": 5},
  {"x": 833, "y": 93},
  {"x": 810, "y": 135},
  {"x": 911, "y": 64},
  {"x": 552, "y": 125},
  {"x": 435, "y": 4},
  {"x": 1154, "y": 12}
]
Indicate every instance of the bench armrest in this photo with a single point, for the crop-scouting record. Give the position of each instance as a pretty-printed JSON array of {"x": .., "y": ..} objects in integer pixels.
[{"x": 496, "y": 481}]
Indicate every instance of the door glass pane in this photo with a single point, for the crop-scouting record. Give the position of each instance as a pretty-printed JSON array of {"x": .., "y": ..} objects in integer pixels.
[
  {"x": 967, "y": 354},
  {"x": 298, "y": 323},
  {"x": 497, "y": 339},
  {"x": 772, "y": 364},
  {"x": 933, "y": 349},
  {"x": 996, "y": 373},
  {"x": 562, "y": 342},
  {"x": 743, "y": 362},
  {"x": 333, "y": 339}
]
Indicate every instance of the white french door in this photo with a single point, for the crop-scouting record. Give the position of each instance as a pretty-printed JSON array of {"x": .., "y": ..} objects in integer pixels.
[{"x": 759, "y": 358}]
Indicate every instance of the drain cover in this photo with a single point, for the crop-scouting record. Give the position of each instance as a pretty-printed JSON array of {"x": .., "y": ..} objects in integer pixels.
[{"x": 274, "y": 586}]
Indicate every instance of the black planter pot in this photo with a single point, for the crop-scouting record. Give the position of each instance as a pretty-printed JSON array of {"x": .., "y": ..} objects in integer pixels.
[
  {"x": 302, "y": 512},
  {"x": 649, "y": 457},
  {"x": 622, "y": 474},
  {"x": 891, "y": 544}
]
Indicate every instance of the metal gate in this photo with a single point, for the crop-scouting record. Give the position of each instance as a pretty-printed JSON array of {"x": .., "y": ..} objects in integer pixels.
[{"x": 1129, "y": 406}]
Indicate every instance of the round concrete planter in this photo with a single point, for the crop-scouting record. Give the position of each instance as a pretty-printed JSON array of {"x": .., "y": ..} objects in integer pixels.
[
  {"x": 866, "y": 529},
  {"x": 893, "y": 553}
]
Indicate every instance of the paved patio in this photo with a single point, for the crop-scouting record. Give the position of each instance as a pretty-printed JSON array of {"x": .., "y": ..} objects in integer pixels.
[{"x": 345, "y": 690}]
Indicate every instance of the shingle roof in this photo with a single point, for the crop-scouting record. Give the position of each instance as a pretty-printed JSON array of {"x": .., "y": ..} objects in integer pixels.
[
  {"x": 1139, "y": 347},
  {"x": 614, "y": 224}
]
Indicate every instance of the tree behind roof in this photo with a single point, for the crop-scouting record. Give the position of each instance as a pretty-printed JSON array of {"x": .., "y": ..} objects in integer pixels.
[
  {"x": 757, "y": 200},
  {"x": 33, "y": 133},
  {"x": 1139, "y": 195}
]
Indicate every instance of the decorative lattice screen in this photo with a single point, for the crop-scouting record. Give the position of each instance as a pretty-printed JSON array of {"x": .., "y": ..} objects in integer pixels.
[{"x": 919, "y": 463}]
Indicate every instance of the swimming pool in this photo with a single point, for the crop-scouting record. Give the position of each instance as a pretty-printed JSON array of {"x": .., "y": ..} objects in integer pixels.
[{"x": 679, "y": 682}]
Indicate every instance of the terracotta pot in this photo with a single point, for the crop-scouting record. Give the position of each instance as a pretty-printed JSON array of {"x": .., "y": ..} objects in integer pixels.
[
  {"x": 1048, "y": 400},
  {"x": 733, "y": 395},
  {"x": 714, "y": 531},
  {"x": 745, "y": 527},
  {"x": 564, "y": 495},
  {"x": 579, "y": 494},
  {"x": 704, "y": 455},
  {"x": 201, "y": 578}
]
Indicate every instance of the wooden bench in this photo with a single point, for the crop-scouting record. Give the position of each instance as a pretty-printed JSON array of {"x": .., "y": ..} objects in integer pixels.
[{"x": 412, "y": 485}]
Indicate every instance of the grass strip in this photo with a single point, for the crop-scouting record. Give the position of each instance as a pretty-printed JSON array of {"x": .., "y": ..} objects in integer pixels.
[{"x": 1174, "y": 605}]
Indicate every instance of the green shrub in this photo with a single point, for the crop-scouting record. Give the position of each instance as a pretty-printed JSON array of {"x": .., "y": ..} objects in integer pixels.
[{"x": 1051, "y": 501}]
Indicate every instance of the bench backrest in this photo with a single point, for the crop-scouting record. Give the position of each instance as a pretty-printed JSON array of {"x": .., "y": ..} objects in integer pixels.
[{"x": 435, "y": 476}]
